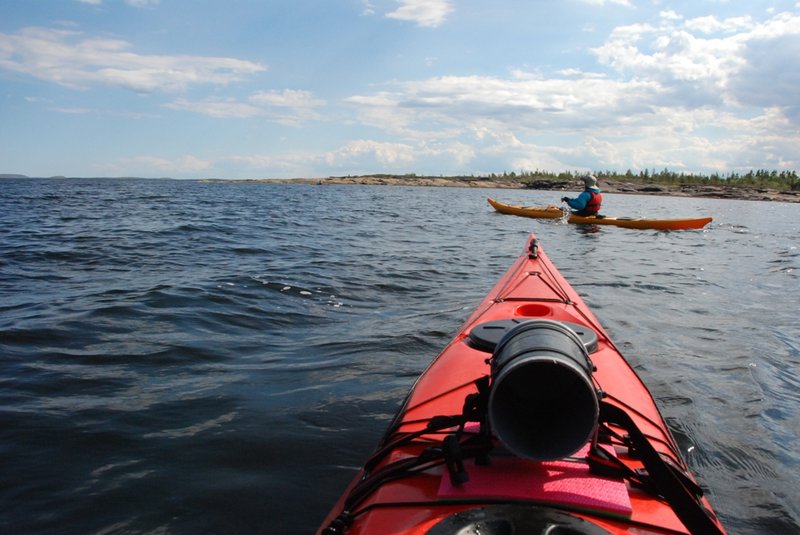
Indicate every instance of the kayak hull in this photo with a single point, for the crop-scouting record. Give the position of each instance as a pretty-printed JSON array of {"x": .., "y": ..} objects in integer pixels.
[
  {"x": 398, "y": 492},
  {"x": 633, "y": 223}
]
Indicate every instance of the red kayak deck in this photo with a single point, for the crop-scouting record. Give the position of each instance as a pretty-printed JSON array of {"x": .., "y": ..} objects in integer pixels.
[{"x": 400, "y": 491}]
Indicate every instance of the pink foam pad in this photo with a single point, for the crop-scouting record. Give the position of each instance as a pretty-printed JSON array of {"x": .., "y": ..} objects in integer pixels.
[{"x": 562, "y": 482}]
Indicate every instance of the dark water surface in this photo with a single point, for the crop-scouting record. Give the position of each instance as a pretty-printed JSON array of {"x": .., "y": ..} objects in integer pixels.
[{"x": 181, "y": 357}]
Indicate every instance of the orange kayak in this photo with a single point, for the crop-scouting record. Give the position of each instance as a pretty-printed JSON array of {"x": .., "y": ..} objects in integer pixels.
[
  {"x": 529, "y": 421},
  {"x": 553, "y": 212}
]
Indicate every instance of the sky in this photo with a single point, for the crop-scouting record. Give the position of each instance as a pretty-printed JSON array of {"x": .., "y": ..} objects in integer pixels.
[{"x": 317, "y": 88}]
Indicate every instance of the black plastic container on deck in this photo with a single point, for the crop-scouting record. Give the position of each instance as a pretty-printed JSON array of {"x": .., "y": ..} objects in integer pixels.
[{"x": 542, "y": 402}]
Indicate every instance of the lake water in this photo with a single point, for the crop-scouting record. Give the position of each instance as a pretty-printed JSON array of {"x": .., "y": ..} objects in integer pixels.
[{"x": 184, "y": 357}]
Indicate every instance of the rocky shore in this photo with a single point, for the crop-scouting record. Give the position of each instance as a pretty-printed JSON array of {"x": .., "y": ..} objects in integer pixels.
[{"x": 607, "y": 186}]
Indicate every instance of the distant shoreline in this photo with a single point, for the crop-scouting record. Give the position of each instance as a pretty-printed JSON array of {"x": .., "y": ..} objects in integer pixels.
[
  {"x": 713, "y": 191},
  {"x": 607, "y": 186}
]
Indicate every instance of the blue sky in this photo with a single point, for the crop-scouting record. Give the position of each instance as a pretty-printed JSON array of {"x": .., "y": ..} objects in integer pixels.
[{"x": 314, "y": 88}]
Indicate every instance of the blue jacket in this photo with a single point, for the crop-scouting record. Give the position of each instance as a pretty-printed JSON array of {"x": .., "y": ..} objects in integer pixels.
[{"x": 579, "y": 202}]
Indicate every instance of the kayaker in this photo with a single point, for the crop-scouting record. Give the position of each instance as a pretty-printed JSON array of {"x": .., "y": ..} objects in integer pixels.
[{"x": 589, "y": 201}]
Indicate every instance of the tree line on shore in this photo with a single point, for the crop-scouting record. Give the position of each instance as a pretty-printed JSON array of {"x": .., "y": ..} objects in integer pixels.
[{"x": 761, "y": 178}]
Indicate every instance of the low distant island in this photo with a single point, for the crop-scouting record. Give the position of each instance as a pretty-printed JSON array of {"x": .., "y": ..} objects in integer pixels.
[
  {"x": 761, "y": 185},
  {"x": 757, "y": 185}
]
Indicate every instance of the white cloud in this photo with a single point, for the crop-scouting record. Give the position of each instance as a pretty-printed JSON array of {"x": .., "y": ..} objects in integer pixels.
[
  {"x": 428, "y": 13},
  {"x": 369, "y": 9},
  {"x": 670, "y": 15},
  {"x": 383, "y": 153},
  {"x": 770, "y": 76},
  {"x": 783, "y": 23},
  {"x": 149, "y": 165},
  {"x": 354, "y": 156},
  {"x": 290, "y": 106},
  {"x": 289, "y": 98},
  {"x": 358, "y": 156},
  {"x": 444, "y": 106},
  {"x": 734, "y": 61},
  {"x": 700, "y": 95},
  {"x": 73, "y": 111},
  {"x": 660, "y": 136},
  {"x": 285, "y": 165},
  {"x": 220, "y": 108},
  {"x": 711, "y": 24},
  {"x": 68, "y": 58},
  {"x": 625, "y": 3},
  {"x": 697, "y": 94}
]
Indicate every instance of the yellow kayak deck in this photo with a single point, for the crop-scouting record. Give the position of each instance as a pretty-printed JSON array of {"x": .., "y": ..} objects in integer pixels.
[{"x": 554, "y": 212}]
